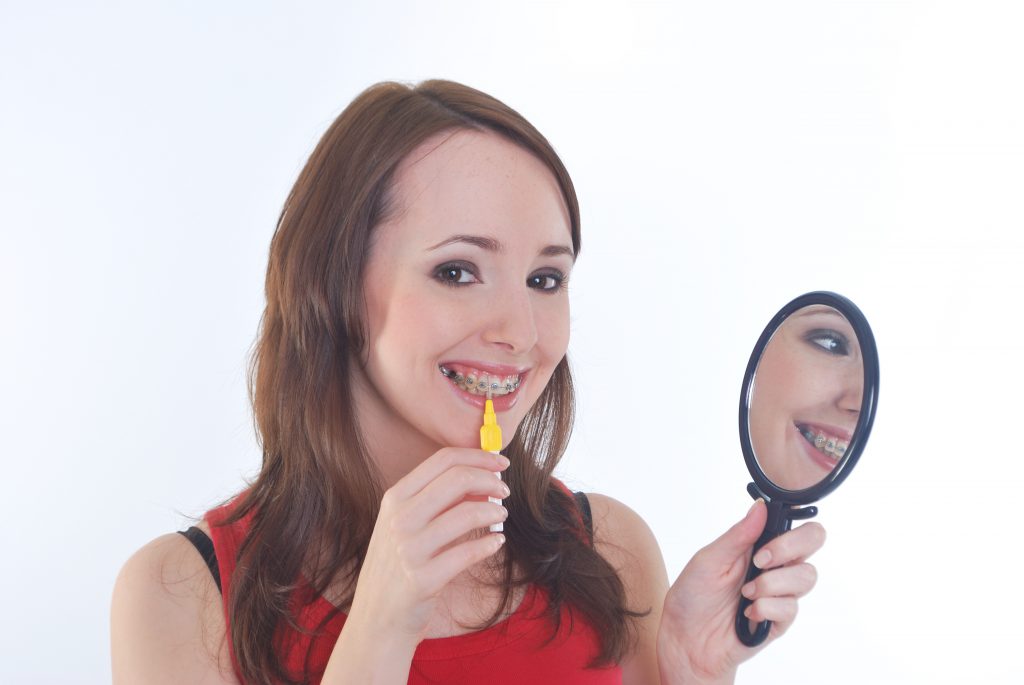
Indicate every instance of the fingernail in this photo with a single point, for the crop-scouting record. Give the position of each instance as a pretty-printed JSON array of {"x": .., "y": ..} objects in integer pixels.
[
  {"x": 762, "y": 558},
  {"x": 748, "y": 591},
  {"x": 503, "y": 460},
  {"x": 501, "y": 539},
  {"x": 504, "y": 488},
  {"x": 754, "y": 505},
  {"x": 746, "y": 612}
]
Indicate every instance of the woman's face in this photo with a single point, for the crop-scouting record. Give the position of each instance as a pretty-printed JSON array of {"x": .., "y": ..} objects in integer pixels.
[
  {"x": 807, "y": 397},
  {"x": 463, "y": 282}
]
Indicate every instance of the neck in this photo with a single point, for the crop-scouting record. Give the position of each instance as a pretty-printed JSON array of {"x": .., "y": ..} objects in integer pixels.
[{"x": 396, "y": 456}]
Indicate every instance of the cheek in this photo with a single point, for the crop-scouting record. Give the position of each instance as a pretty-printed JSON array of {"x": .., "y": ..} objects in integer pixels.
[
  {"x": 774, "y": 387},
  {"x": 416, "y": 316},
  {"x": 553, "y": 331},
  {"x": 406, "y": 314},
  {"x": 397, "y": 329},
  {"x": 799, "y": 381},
  {"x": 822, "y": 389}
]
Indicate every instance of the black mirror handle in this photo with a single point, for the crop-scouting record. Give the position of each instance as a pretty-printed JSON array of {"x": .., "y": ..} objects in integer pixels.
[{"x": 780, "y": 519}]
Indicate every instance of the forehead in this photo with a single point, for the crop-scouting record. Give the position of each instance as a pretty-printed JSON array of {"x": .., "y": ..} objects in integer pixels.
[{"x": 480, "y": 183}]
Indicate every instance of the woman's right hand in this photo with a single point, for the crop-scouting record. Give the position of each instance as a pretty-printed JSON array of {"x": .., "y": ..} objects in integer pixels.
[{"x": 411, "y": 556}]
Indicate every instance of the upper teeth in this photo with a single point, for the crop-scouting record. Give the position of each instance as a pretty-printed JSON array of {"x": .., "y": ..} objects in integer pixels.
[
  {"x": 478, "y": 382},
  {"x": 830, "y": 445}
]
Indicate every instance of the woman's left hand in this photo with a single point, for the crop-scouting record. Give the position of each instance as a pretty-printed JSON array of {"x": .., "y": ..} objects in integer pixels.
[{"x": 697, "y": 638}]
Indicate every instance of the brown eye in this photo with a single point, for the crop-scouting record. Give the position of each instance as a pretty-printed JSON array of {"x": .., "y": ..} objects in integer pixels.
[
  {"x": 551, "y": 282},
  {"x": 454, "y": 274}
]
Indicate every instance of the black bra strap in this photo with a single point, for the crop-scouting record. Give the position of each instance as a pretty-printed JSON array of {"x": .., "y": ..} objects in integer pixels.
[
  {"x": 202, "y": 542},
  {"x": 584, "y": 505}
]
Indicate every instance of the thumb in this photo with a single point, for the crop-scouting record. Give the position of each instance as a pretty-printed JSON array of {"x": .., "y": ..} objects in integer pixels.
[{"x": 740, "y": 539}]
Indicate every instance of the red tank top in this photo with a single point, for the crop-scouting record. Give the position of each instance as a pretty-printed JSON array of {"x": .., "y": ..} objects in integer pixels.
[{"x": 511, "y": 651}]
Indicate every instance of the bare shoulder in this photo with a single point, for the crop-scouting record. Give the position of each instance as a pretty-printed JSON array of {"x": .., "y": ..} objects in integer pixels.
[
  {"x": 166, "y": 621},
  {"x": 623, "y": 538},
  {"x": 621, "y": 535}
]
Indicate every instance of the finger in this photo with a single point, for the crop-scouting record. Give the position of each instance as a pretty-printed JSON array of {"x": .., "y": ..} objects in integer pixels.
[
  {"x": 453, "y": 524},
  {"x": 777, "y": 609},
  {"x": 736, "y": 542},
  {"x": 441, "y": 461},
  {"x": 788, "y": 581},
  {"x": 778, "y": 628},
  {"x": 793, "y": 547},
  {"x": 445, "y": 566},
  {"x": 449, "y": 489}
]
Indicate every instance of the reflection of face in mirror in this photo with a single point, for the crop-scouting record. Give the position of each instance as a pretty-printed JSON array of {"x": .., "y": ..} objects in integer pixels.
[{"x": 806, "y": 397}]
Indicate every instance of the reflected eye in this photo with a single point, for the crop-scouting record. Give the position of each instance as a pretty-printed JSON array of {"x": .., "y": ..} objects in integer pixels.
[
  {"x": 454, "y": 274},
  {"x": 830, "y": 341}
]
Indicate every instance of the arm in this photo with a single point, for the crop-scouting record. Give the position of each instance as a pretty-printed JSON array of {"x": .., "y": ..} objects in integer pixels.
[
  {"x": 166, "y": 622},
  {"x": 369, "y": 653},
  {"x": 419, "y": 544},
  {"x": 697, "y": 640},
  {"x": 167, "y": 625},
  {"x": 689, "y": 635}
]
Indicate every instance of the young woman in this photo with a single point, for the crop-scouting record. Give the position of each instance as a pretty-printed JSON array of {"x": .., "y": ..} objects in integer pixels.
[{"x": 424, "y": 249}]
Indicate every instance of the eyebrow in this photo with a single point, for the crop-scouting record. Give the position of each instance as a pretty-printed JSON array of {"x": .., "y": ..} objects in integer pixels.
[
  {"x": 492, "y": 245},
  {"x": 811, "y": 310}
]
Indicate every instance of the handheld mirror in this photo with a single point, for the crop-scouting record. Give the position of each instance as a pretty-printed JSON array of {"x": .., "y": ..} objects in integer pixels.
[{"x": 806, "y": 408}]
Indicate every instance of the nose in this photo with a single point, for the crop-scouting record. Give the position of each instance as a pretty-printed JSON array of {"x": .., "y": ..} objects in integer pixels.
[
  {"x": 851, "y": 394},
  {"x": 510, "y": 321}
]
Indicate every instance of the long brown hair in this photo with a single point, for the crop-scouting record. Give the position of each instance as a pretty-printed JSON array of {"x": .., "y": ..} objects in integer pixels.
[{"x": 314, "y": 503}]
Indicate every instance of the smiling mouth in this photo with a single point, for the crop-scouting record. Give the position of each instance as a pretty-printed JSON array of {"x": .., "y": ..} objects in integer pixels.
[
  {"x": 829, "y": 445},
  {"x": 477, "y": 382}
]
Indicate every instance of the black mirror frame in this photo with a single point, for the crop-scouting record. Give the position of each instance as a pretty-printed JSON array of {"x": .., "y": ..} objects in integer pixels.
[
  {"x": 869, "y": 353},
  {"x": 785, "y": 506}
]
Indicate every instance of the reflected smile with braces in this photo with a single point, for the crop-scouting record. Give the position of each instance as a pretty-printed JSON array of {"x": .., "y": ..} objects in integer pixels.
[
  {"x": 829, "y": 445},
  {"x": 478, "y": 383}
]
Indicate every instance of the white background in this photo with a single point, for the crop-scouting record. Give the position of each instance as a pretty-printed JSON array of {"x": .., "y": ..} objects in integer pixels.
[{"x": 728, "y": 157}]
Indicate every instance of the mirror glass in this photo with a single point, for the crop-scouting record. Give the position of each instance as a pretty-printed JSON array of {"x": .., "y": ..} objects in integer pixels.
[{"x": 805, "y": 397}]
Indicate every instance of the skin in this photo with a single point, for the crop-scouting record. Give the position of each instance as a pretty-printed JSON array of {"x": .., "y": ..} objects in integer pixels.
[
  {"x": 811, "y": 372},
  {"x": 430, "y": 541},
  {"x": 460, "y": 301}
]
